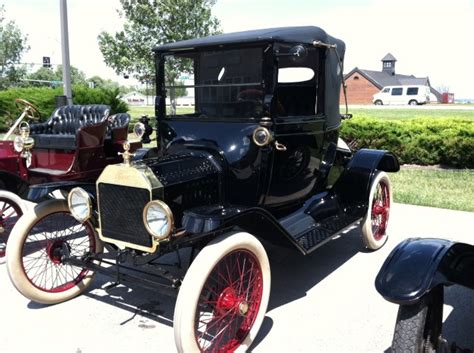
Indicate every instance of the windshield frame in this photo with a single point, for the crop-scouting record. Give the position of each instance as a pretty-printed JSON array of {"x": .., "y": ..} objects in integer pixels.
[{"x": 266, "y": 82}]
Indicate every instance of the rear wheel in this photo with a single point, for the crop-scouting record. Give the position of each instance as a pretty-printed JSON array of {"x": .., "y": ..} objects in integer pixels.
[
  {"x": 418, "y": 327},
  {"x": 224, "y": 296},
  {"x": 11, "y": 209},
  {"x": 374, "y": 226},
  {"x": 36, "y": 248}
]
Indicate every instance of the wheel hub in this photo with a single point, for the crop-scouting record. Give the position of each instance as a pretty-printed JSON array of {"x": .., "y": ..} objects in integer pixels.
[
  {"x": 243, "y": 308},
  {"x": 379, "y": 209},
  {"x": 55, "y": 251},
  {"x": 228, "y": 300}
]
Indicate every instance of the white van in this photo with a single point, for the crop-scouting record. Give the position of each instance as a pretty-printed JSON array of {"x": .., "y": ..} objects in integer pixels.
[{"x": 400, "y": 95}]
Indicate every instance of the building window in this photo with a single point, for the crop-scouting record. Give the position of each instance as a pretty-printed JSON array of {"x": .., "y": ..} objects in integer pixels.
[
  {"x": 387, "y": 64},
  {"x": 356, "y": 77}
]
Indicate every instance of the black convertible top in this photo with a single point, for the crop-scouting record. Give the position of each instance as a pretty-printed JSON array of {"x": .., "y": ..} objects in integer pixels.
[
  {"x": 296, "y": 35},
  {"x": 302, "y": 34}
]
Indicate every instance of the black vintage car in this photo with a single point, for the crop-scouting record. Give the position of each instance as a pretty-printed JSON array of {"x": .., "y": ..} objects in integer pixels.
[
  {"x": 256, "y": 157},
  {"x": 414, "y": 276}
]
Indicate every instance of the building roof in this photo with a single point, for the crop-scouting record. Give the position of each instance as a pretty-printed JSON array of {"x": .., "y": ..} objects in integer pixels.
[
  {"x": 389, "y": 57},
  {"x": 302, "y": 34},
  {"x": 381, "y": 79}
]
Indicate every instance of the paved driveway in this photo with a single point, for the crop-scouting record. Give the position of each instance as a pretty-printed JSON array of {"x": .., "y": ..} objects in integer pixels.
[{"x": 325, "y": 302}]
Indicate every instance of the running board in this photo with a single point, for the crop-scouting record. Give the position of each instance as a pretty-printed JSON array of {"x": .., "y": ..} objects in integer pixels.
[
  {"x": 323, "y": 232},
  {"x": 308, "y": 234}
]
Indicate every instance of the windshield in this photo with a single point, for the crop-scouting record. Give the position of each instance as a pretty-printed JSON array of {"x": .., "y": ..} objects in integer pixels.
[{"x": 215, "y": 84}]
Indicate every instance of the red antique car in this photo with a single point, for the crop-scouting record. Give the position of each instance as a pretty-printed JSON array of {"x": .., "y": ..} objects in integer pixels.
[{"x": 74, "y": 144}]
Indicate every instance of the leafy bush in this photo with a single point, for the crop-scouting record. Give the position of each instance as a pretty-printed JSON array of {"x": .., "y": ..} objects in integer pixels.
[
  {"x": 424, "y": 141},
  {"x": 44, "y": 99}
]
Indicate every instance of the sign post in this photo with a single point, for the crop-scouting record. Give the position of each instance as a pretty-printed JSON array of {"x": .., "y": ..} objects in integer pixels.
[{"x": 65, "y": 51}]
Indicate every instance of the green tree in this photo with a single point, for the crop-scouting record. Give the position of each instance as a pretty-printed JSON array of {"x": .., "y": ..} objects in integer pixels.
[
  {"x": 55, "y": 76},
  {"x": 99, "y": 82},
  {"x": 13, "y": 44},
  {"x": 152, "y": 22}
]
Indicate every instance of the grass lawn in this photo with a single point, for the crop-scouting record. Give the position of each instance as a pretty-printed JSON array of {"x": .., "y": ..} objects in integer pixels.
[
  {"x": 394, "y": 113},
  {"x": 137, "y": 112},
  {"x": 453, "y": 189},
  {"x": 410, "y": 113}
]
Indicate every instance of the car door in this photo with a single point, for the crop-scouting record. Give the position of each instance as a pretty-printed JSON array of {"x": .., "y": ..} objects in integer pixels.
[{"x": 396, "y": 96}]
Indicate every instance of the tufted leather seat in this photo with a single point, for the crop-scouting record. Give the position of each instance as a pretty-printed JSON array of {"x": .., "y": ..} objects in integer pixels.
[
  {"x": 60, "y": 131},
  {"x": 117, "y": 123}
]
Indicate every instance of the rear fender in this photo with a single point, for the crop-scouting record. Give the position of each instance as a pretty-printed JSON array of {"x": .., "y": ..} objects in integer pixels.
[
  {"x": 352, "y": 189},
  {"x": 413, "y": 269}
]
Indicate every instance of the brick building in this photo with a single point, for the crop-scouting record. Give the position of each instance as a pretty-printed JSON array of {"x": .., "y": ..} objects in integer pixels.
[{"x": 363, "y": 84}]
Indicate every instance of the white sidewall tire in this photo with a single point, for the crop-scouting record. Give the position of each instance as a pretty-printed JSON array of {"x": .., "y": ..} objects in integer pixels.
[
  {"x": 367, "y": 235},
  {"x": 188, "y": 296},
  {"x": 15, "y": 263}
]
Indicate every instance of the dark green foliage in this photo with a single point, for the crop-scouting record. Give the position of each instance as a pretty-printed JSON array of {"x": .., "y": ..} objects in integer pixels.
[
  {"x": 424, "y": 141},
  {"x": 44, "y": 99}
]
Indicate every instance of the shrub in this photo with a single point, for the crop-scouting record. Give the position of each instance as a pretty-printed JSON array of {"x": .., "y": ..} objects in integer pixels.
[
  {"x": 423, "y": 141},
  {"x": 44, "y": 99}
]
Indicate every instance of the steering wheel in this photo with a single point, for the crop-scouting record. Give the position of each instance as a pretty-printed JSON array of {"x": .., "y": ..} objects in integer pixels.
[{"x": 28, "y": 108}]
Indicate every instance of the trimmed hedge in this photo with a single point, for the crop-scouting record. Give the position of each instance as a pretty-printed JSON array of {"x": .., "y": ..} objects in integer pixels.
[
  {"x": 44, "y": 99},
  {"x": 448, "y": 142}
]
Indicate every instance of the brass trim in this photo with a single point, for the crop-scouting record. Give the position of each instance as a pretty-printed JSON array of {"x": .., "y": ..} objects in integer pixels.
[
  {"x": 127, "y": 156},
  {"x": 169, "y": 217},
  {"x": 89, "y": 203},
  {"x": 137, "y": 176},
  {"x": 124, "y": 244},
  {"x": 268, "y": 137}
]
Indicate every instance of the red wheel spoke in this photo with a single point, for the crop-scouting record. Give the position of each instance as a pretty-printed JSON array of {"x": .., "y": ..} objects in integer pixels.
[
  {"x": 380, "y": 210},
  {"x": 42, "y": 259},
  {"x": 231, "y": 310}
]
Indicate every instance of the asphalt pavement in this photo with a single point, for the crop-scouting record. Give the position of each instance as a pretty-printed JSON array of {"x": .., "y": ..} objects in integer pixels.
[{"x": 325, "y": 302}]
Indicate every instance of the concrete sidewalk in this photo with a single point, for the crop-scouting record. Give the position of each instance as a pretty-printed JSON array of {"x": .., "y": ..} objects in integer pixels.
[{"x": 325, "y": 302}]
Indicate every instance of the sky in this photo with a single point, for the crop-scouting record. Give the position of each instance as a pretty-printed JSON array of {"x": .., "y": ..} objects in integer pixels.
[{"x": 427, "y": 37}]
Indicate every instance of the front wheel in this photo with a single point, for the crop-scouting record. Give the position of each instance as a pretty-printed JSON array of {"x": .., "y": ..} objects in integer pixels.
[
  {"x": 36, "y": 248},
  {"x": 378, "y": 102},
  {"x": 374, "y": 226},
  {"x": 418, "y": 327},
  {"x": 11, "y": 209},
  {"x": 224, "y": 296},
  {"x": 413, "y": 102}
]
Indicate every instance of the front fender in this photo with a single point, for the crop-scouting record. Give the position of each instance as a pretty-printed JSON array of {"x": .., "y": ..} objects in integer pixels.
[
  {"x": 41, "y": 192},
  {"x": 412, "y": 269}
]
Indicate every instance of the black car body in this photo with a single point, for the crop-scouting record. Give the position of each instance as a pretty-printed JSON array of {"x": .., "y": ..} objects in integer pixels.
[{"x": 257, "y": 156}]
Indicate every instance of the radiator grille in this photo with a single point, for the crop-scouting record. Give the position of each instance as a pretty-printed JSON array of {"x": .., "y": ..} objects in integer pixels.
[{"x": 121, "y": 213}]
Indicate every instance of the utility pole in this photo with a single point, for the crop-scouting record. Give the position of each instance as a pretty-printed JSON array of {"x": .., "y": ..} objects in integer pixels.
[{"x": 65, "y": 51}]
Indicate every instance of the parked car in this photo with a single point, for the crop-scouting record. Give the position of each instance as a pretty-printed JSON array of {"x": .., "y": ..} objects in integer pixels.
[
  {"x": 414, "y": 276},
  {"x": 74, "y": 145},
  {"x": 257, "y": 159},
  {"x": 402, "y": 95}
]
